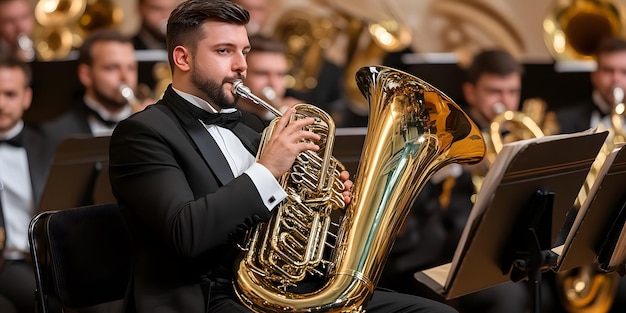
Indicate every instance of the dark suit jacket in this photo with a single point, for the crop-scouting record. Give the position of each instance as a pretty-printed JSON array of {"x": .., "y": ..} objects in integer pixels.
[
  {"x": 71, "y": 122},
  {"x": 576, "y": 117},
  {"x": 182, "y": 203}
]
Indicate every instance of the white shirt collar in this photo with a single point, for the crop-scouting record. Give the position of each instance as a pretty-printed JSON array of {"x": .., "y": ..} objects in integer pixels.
[{"x": 13, "y": 131}]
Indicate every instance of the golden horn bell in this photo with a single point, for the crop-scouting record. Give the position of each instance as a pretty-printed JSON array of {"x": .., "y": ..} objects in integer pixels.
[
  {"x": 573, "y": 29},
  {"x": 414, "y": 130}
]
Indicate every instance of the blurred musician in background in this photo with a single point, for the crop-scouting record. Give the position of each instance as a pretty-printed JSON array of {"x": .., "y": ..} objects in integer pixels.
[
  {"x": 435, "y": 224},
  {"x": 267, "y": 69},
  {"x": 153, "y": 14},
  {"x": 17, "y": 23},
  {"x": 259, "y": 13},
  {"x": 23, "y": 171},
  {"x": 609, "y": 73},
  {"x": 328, "y": 93},
  {"x": 106, "y": 64}
]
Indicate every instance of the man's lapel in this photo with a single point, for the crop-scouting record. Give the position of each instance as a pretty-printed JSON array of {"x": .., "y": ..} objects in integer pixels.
[{"x": 205, "y": 143}]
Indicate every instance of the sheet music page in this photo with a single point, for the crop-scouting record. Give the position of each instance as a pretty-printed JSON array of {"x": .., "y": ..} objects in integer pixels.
[
  {"x": 582, "y": 212},
  {"x": 489, "y": 186}
]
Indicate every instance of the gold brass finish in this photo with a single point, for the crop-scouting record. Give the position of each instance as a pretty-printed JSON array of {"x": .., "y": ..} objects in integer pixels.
[
  {"x": 573, "y": 29},
  {"x": 313, "y": 239}
]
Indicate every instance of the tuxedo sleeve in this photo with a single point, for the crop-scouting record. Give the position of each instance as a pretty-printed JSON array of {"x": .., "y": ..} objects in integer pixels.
[{"x": 160, "y": 178}]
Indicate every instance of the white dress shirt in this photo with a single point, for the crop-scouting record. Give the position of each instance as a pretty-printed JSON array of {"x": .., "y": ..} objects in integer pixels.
[
  {"x": 239, "y": 158},
  {"x": 16, "y": 196}
]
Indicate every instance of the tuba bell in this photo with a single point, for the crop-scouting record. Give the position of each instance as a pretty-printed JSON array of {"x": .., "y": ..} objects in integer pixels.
[
  {"x": 318, "y": 254},
  {"x": 573, "y": 29}
]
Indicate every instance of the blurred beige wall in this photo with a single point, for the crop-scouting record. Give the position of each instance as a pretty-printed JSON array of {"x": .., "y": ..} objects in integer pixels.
[{"x": 460, "y": 26}]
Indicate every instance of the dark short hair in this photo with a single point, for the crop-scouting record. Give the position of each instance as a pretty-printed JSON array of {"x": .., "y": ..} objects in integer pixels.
[
  {"x": 262, "y": 43},
  {"x": 184, "y": 26},
  {"x": 85, "y": 55},
  {"x": 9, "y": 60},
  {"x": 611, "y": 44},
  {"x": 496, "y": 61}
]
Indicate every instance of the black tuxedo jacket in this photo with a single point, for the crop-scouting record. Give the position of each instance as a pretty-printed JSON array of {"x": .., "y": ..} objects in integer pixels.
[
  {"x": 576, "y": 117},
  {"x": 182, "y": 203},
  {"x": 71, "y": 122}
]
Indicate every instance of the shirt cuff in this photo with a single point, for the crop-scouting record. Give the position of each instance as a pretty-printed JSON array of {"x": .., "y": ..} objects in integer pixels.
[{"x": 268, "y": 187}]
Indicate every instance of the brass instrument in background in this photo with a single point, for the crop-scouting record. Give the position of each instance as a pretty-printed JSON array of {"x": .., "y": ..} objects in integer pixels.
[
  {"x": 312, "y": 238},
  {"x": 63, "y": 24},
  {"x": 573, "y": 29},
  {"x": 306, "y": 36},
  {"x": 385, "y": 36},
  {"x": 509, "y": 126},
  {"x": 589, "y": 289}
]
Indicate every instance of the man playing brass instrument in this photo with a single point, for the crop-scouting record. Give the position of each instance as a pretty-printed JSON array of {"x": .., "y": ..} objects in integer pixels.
[
  {"x": 609, "y": 74},
  {"x": 267, "y": 70},
  {"x": 106, "y": 64},
  {"x": 185, "y": 175},
  {"x": 17, "y": 24}
]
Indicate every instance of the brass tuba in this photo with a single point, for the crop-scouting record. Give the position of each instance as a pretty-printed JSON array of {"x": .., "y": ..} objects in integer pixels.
[
  {"x": 315, "y": 253},
  {"x": 573, "y": 29}
]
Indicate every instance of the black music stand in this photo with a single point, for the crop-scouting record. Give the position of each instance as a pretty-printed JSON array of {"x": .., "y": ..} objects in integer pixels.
[
  {"x": 517, "y": 216},
  {"x": 78, "y": 163},
  {"x": 599, "y": 224}
]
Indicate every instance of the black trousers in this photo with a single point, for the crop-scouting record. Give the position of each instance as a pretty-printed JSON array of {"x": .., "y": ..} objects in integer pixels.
[
  {"x": 17, "y": 287},
  {"x": 382, "y": 302}
]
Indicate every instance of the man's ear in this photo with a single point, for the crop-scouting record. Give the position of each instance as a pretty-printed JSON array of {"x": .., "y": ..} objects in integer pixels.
[
  {"x": 28, "y": 98},
  {"x": 84, "y": 75},
  {"x": 469, "y": 93},
  {"x": 182, "y": 58}
]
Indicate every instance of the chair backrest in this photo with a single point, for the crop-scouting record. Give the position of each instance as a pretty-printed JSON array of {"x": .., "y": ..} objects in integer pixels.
[{"x": 82, "y": 254}]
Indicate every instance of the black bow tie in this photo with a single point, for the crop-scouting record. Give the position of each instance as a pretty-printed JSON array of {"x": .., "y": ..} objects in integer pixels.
[
  {"x": 227, "y": 120},
  {"x": 15, "y": 141},
  {"x": 107, "y": 123}
]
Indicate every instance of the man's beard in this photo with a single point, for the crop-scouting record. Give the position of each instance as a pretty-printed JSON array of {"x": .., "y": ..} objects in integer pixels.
[
  {"x": 212, "y": 90},
  {"x": 109, "y": 102}
]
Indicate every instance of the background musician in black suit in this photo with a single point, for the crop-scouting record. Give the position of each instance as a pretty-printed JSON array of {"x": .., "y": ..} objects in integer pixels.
[
  {"x": 609, "y": 73},
  {"x": 17, "y": 25},
  {"x": 23, "y": 171},
  {"x": 106, "y": 62},
  {"x": 188, "y": 184}
]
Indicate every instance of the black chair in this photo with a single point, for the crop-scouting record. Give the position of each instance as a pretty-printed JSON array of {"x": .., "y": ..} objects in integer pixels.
[{"x": 82, "y": 259}]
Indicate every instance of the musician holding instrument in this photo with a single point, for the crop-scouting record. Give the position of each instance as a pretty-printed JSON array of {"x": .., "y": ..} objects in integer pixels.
[
  {"x": 267, "y": 70},
  {"x": 17, "y": 24},
  {"x": 185, "y": 175},
  {"x": 610, "y": 73},
  {"x": 107, "y": 69}
]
